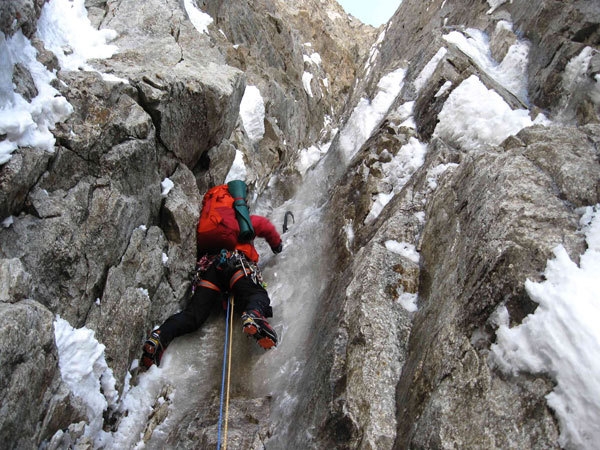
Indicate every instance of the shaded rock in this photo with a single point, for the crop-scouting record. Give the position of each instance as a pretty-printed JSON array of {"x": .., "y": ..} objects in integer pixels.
[
  {"x": 28, "y": 371},
  {"x": 569, "y": 156},
  {"x": 179, "y": 218},
  {"x": 129, "y": 290},
  {"x": 20, "y": 14},
  {"x": 369, "y": 358},
  {"x": 214, "y": 165},
  {"x": 491, "y": 226},
  {"x": 471, "y": 398},
  {"x": 18, "y": 176},
  {"x": 501, "y": 40},
  {"x": 182, "y": 80},
  {"x": 559, "y": 32},
  {"x": 15, "y": 282},
  {"x": 23, "y": 81},
  {"x": 193, "y": 110}
]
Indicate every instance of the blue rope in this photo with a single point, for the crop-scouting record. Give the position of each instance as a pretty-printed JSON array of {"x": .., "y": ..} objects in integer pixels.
[{"x": 224, "y": 373}]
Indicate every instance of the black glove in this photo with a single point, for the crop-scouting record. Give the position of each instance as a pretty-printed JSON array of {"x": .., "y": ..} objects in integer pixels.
[{"x": 278, "y": 249}]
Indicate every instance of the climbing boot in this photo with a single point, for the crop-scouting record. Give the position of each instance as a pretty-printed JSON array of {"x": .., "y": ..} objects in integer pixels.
[
  {"x": 152, "y": 350},
  {"x": 255, "y": 325}
]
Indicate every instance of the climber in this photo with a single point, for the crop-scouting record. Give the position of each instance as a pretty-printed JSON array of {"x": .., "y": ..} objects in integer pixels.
[{"x": 227, "y": 264}]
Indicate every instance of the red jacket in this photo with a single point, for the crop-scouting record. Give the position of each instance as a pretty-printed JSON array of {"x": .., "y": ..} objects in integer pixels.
[
  {"x": 263, "y": 229},
  {"x": 226, "y": 235}
]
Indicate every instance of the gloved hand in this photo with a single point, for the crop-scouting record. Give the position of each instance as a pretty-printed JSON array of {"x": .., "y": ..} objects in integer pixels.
[{"x": 278, "y": 249}]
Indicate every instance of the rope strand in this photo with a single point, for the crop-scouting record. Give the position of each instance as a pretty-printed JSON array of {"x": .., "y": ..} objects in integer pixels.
[{"x": 226, "y": 374}]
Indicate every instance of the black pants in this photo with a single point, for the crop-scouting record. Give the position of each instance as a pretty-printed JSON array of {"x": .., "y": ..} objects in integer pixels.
[{"x": 248, "y": 295}]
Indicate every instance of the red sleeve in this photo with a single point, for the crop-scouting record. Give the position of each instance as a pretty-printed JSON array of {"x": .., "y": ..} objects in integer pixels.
[{"x": 265, "y": 229}]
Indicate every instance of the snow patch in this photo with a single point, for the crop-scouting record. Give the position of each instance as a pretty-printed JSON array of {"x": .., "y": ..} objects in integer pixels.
[
  {"x": 396, "y": 174},
  {"x": 84, "y": 370},
  {"x": 308, "y": 157},
  {"x": 576, "y": 69},
  {"x": 65, "y": 30},
  {"x": 434, "y": 174},
  {"x": 405, "y": 249},
  {"x": 68, "y": 33},
  {"x": 408, "y": 301},
  {"x": 428, "y": 70},
  {"x": 443, "y": 89},
  {"x": 474, "y": 116},
  {"x": 166, "y": 186},
  {"x": 367, "y": 115},
  {"x": 562, "y": 338},
  {"x": 199, "y": 18},
  {"x": 511, "y": 73},
  {"x": 27, "y": 124},
  {"x": 252, "y": 112},
  {"x": 238, "y": 169},
  {"x": 306, "y": 79}
]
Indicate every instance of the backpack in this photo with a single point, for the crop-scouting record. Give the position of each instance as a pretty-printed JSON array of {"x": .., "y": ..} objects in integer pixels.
[{"x": 225, "y": 218}]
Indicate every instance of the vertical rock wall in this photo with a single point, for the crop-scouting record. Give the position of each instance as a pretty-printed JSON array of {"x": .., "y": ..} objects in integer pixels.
[{"x": 94, "y": 241}]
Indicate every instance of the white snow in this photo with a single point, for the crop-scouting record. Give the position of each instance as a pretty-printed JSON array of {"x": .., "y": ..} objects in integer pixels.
[
  {"x": 308, "y": 157},
  {"x": 434, "y": 174},
  {"x": 511, "y": 72},
  {"x": 252, "y": 112},
  {"x": 474, "y": 116},
  {"x": 238, "y": 169},
  {"x": 405, "y": 113},
  {"x": 442, "y": 90},
  {"x": 27, "y": 124},
  {"x": 428, "y": 70},
  {"x": 562, "y": 338},
  {"x": 66, "y": 31},
  {"x": 166, "y": 186},
  {"x": 199, "y": 18},
  {"x": 314, "y": 58},
  {"x": 367, "y": 115},
  {"x": 85, "y": 372},
  {"x": 494, "y": 4},
  {"x": 306, "y": 79},
  {"x": 396, "y": 173},
  {"x": 373, "y": 53},
  {"x": 408, "y": 301},
  {"x": 405, "y": 249},
  {"x": 595, "y": 90},
  {"x": 575, "y": 73}
]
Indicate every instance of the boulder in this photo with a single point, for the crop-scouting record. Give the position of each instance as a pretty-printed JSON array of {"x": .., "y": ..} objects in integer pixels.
[
  {"x": 20, "y": 14},
  {"x": 28, "y": 371},
  {"x": 491, "y": 226}
]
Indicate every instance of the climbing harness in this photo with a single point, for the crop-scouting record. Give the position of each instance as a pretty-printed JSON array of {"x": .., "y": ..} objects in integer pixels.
[
  {"x": 226, "y": 378},
  {"x": 226, "y": 260}
]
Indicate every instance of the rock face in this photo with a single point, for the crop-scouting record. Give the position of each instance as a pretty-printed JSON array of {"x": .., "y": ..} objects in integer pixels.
[
  {"x": 93, "y": 238},
  {"x": 513, "y": 225}
]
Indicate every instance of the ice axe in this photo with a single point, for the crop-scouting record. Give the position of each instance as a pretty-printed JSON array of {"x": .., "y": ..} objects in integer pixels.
[{"x": 285, "y": 220}]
